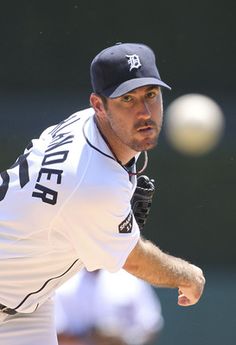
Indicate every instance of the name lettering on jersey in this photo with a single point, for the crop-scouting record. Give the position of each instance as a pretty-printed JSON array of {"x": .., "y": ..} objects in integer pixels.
[
  {"x": 56, "y": 142},
  {"x": 63, "y": 124},
  {"x": 127, "y": 224},
  {"x": 55, "y": 157},
  {"x": 46, "y": 194}
]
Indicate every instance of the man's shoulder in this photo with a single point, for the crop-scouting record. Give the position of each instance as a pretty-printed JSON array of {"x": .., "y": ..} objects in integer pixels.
[{"x": 85, "y": 112}]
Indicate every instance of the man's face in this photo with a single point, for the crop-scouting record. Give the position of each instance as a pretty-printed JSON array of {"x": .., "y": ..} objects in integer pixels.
[{"x": 136, "y": 117}]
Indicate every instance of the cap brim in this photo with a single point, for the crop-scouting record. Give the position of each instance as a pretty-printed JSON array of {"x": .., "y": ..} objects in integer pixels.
[{"x": 132, "y": 84}]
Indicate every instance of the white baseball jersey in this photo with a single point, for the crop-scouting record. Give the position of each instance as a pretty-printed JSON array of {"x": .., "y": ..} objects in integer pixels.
[{"x": 64, "y": 204}]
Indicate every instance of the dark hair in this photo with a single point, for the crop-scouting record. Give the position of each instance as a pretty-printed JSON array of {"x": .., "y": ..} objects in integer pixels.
[{"x": 104, "y": 100}]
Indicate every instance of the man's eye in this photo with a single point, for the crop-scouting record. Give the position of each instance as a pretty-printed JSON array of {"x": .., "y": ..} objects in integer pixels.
[
  {"x": 127, "y": 98},
  {"x": 151, "y": 94}
]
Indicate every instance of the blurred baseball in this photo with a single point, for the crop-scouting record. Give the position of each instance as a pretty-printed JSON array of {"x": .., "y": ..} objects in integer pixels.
[{"x": 194, "y": 124}]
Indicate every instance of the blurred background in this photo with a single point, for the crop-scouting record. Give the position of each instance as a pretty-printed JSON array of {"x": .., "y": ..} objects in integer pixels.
[{"x": 46, "y": 51}]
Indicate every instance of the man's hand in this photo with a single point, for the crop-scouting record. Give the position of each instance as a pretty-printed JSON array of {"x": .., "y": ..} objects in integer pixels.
[{"x": 190, "y": 294}]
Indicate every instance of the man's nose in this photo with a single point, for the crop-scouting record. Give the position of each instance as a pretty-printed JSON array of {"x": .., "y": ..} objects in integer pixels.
[{"x": 144, "y": 109}]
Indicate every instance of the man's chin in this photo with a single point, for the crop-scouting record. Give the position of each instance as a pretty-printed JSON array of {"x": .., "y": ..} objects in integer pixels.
[{"x": 145, "y": 146}]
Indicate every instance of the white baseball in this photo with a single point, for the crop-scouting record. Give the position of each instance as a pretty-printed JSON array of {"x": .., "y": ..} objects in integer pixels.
[{"x": 194, "y": 124}]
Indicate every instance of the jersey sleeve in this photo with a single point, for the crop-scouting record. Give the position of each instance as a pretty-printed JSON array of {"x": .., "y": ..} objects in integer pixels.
[{"x": 101, "y": 226}]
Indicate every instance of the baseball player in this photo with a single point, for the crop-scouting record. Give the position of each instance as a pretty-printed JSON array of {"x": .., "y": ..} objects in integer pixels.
[
  {"x": 66, "y": 201},
  {"x": 101, "y": 308}
]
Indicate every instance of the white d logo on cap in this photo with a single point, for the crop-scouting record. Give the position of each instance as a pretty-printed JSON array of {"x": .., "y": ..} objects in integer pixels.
[{"x": 133, "y": 61}]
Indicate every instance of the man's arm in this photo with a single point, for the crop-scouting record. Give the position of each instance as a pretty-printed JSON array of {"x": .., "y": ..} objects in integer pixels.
[{"x": 148, "y": 262}]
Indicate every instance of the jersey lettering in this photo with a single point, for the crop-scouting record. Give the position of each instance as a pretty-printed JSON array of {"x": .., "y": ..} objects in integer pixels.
[
  {"x": 56, "y": 157},
  {"x": 23, "y": 175},
  {"x": 46, "y": 194},
  {"x": 49, "y": 173},
  {"x": 64, "y": 124},
  {"x": 23, "y": 169},
  {"x": 56, "y": 141},
  {"x": 5, "y": 184}
]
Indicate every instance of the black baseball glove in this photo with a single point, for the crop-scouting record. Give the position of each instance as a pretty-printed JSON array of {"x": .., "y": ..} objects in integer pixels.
[{"x": 141, "y": 201}]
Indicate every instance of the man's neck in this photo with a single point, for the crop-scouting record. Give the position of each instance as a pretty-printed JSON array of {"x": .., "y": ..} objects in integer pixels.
[{"x": 121, "y": 152}]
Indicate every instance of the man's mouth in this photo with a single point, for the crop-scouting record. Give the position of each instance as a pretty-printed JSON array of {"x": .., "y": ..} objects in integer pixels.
[{"x": 145, "y": 128}]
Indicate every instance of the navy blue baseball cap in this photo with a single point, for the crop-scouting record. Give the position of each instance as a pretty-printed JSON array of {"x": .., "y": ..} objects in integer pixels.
[{"x": 124, "y": 67}]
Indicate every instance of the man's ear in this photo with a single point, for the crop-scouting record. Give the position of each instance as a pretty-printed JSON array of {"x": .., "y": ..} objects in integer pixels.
[{"x": 97, "y": 104}]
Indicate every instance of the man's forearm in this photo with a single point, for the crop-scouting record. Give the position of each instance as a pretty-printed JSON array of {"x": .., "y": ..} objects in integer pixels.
[{"x": 149, "y": 263}]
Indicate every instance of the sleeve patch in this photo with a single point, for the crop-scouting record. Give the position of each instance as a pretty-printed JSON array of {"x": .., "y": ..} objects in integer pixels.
[{"x": 127, "y": 224}]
